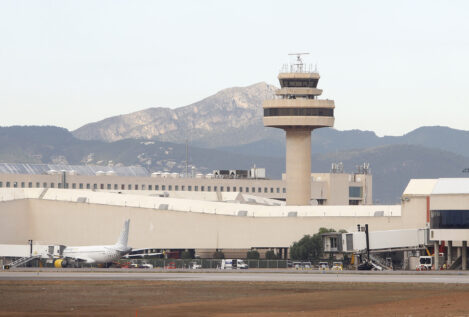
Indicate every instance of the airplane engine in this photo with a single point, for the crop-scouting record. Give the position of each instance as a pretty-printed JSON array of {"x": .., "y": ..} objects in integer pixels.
[{"x": 60, "y": 263}]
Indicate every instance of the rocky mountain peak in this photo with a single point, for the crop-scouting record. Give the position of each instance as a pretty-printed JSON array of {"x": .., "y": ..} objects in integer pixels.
[{"x": 203, "y": 122}]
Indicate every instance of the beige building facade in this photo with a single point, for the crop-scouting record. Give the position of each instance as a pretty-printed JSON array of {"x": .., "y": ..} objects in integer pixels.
[{"x": 325, "y": 188}]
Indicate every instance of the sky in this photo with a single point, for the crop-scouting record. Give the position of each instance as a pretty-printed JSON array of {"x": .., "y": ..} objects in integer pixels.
[{"x": 390, "y": 66}]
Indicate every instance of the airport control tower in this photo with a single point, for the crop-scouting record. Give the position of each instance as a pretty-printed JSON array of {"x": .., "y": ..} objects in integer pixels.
[{"x": 298, "y": 111}]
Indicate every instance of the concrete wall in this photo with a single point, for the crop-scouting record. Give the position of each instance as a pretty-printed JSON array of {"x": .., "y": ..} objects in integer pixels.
[
  {"x": 15, "y": 222},
  {"x": 71, "y": 223},
  {"x": 450, "y": 201}
]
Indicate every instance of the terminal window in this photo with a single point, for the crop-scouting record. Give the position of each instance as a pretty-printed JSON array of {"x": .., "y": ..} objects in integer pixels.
[
  {"x": 278, "y": 190},
  {"x": 52, "y": 185},
  {"x": 60, "y": 185},
  {"x": 170, "y": 187},
  {"x": 22, "y": 184},
  {"x": 247, "y": 189},
  {"x": 228, "y": 188},
  {"x": 209, "y": 188},
  {"x": 215, "y": 188},
  {"x": 221, "y": 188},
  {"x": 108, "y": 186},
  {"x": 189, "y": 188},
  {"x": 157, "y": 187},
  {"x": 116, "y": 186},
  {"x": 176, "y": 187},
  {"x": 38, "y": 184},
  {"x": 136, "y": 187},
  {"x": 240, "y": 189},
  {"x": 150, "y": 187},
  {"x": 163, "y": 187},
  {"x": 253, "y": 189},
  {"x": 183, "y": 187},
  {"x": 88, "y": 186},
  {"x": 74, "y": 186},
  {"x": 15, "y": 184},
  {"x": 30, "y": 184},
  {"x": 259, "y": 190},
  {"x": 143, "y": 187},
  {"x": 449, "y": 219},
  {"x": 202, "y": 188},
  {"x": 1, "y": 184},
  {"x": 95, "y": 186},
  {"x": 196, "y": 188},
  {"x": 284, "y": 190},
  {"x": 81, "y": 185},
  {"x": 355, "y": 191},
  {"x": 8, "y": 184}
]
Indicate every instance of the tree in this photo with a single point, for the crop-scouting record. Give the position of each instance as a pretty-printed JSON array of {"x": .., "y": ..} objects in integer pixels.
[
  {"x": 218, "y": 255},
  {"x": 252, "y": 255},
  {"x": 186, "y": 255},
  {"x": 270, "y": 255},
  {"x": 309, "y": 247}
]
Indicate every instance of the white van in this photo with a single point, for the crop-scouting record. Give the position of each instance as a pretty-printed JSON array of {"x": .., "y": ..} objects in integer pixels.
[{"x": 228, "y": 264}]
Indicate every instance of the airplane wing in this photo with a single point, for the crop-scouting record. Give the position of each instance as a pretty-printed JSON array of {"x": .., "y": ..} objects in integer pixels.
[{"x": 141, "y": 255}]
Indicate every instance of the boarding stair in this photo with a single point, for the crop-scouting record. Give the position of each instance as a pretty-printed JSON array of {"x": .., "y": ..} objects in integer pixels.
[
  {"x": 379, "y": 261},
  {"x": 23, "y": 261},
  {"x": 457, "y": 265}
]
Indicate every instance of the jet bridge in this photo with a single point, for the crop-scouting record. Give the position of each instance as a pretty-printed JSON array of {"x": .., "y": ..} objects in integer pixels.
[{"x": 380, "y": 241}]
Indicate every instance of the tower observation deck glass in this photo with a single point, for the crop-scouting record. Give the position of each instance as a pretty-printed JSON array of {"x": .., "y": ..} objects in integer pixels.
[{"x": 303, "y": 112}]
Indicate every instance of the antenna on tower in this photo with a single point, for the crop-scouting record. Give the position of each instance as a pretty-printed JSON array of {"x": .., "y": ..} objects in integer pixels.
[{"x": 298, "y": 66}]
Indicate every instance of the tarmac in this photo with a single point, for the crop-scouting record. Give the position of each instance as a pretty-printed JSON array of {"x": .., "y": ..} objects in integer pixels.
[{"x": 446, "y": 277}]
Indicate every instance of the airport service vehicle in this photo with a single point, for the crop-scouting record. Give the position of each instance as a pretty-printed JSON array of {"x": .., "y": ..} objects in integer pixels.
[
  {"x": 425, "y": 263},
  {"x": 337, "y": 266},
  {"x": 234, "y": 264},
  {"x": 194, "y": 265},
  {"x": 296, "y": 265},
  {"x": 96, "y": 254},
  {"x": 306, "y": 265},
  {"x": 323, "y": 266},
  {"x": 142, "y": 265}
]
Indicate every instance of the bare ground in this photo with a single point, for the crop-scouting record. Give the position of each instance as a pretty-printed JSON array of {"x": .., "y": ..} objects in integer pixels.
[{"x": 257, "y": 299}]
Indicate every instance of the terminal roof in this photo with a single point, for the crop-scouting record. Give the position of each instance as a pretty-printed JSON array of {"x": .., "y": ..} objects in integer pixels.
[{"x": 38, "y": 169}]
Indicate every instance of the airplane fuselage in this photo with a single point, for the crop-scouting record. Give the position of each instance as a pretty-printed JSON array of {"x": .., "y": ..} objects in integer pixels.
[{"x": 93, "y": 254}]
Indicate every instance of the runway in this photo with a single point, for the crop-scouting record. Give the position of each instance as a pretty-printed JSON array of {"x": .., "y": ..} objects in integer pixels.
[{"x": 329, "y": 277}]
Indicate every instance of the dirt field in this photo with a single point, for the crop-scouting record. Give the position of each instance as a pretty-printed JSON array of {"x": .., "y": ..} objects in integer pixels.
[{"x": 149, "y": 298}]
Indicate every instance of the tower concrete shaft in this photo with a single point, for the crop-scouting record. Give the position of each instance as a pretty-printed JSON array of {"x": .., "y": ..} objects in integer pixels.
[
  {"x": 298, "y": 166},
  {"x": 297, "y": 110}
]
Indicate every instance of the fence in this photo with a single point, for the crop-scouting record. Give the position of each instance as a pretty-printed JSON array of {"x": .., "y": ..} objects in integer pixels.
[{"x": 214, "y": 263}]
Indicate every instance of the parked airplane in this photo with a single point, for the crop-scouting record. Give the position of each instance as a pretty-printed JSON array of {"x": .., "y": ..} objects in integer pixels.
[{"x": 96, "y": 254}]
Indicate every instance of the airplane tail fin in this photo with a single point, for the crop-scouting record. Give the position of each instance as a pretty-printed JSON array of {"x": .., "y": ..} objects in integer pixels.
[{"x": 124, "y": 237}]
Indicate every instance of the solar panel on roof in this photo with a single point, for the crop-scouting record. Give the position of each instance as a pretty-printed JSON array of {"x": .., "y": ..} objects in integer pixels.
[{"x": 37, "y": 169}]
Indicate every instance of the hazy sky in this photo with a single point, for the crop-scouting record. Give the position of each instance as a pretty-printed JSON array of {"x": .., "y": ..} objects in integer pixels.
[{"x": 390, "y": 66}]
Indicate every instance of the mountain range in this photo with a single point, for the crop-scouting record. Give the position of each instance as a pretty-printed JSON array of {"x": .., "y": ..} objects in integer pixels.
[{"x": 225, "y": 131}]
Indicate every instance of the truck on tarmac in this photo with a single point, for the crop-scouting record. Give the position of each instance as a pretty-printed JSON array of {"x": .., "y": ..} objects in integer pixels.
[{"x": 233, "y": 264}]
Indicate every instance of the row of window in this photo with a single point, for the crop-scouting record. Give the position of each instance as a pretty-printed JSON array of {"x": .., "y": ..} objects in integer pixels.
[
  {"x": 146, "y": 187},
  {"x": 303, "y": 112},
  {"x": 449, "y": 219}
]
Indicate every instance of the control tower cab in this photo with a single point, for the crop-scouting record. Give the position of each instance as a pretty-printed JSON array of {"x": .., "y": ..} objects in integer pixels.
[{"x": 297, "y": 110}]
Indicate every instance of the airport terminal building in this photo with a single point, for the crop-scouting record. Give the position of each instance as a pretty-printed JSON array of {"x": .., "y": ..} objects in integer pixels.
[{"x": 335, "y": 188}]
